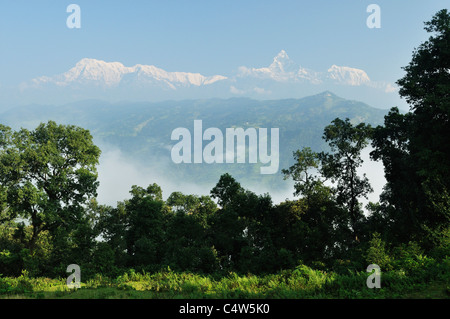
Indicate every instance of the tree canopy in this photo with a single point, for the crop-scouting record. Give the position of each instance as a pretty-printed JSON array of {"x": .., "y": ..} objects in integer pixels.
[
  {"x": 47, "y": 175},
  {"x": 415, "y": 147}
]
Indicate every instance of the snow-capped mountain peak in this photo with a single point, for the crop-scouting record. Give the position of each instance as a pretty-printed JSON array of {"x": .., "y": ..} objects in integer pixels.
[
  {"x": 283, "y": 69},
  {"x": 109, "y": 74},
  {"x": 347, "y": 75},
  {"x": 283, "y": 64}
]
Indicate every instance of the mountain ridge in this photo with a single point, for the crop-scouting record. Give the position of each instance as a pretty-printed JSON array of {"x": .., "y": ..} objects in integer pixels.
[
  {"x": 282, "y": 69},
  {"x": 110, "y": 74}
]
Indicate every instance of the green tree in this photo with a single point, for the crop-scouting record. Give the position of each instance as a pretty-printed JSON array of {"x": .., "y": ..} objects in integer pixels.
[
  {"x": 146, "y": 226},
  {"x": 321, "y": 228},
  {"x": 5, "y": 141},
  {"x": 199, "y": 207},
  {"x": 377, "y": 252},
  {"x": 112, "y": 226},
  {"x": 226, "y": 189},
  {"x": 415, "y": 147},
  {"x": 346, "y": 142},
  {"x": 48, "y": 175},
  {"x": 189, "y": 244},
  {"x": 331, "y": 217},
  {"x": 304, "y": 172},
  {"x": 233, "y": 227}
]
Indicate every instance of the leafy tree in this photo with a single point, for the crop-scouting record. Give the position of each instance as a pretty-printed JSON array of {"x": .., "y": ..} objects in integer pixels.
[
  {"x": 189, "y": 245},
  {"x": 5, "y": 142},
  {"x": 146, "y": 225},
  {"x": 397, "y": 213},
  {"x": 112, "y": 226},
  {"x": 347, "y": 142},
  {"x": 199, "y": 207},
  {"x": 254, "y": 212},
  {"x": 330, "y": 216},
  {"x": 153, "y": 191},
  {"x": 377, "y": 252},
  {"x": 184, "y": 203},
  {"x": 226, "y": 189},
  {"x": 235, "y": 228},
  {"x": 306, "y": 182},
  {"x": 48, "y": 174},
  {"x": 415, "y": 147},
  {"x": 227, "y": 233}
]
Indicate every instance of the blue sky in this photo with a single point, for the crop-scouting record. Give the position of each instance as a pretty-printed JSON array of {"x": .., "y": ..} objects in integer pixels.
[{"x": 211, "y": 37}]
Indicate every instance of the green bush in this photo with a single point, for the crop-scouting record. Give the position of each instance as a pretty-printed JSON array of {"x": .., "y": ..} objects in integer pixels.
[{"x": 377, "y": 253}]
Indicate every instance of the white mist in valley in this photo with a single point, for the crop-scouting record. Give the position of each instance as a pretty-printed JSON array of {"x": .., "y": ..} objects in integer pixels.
[{"x": 118, "y": 172}]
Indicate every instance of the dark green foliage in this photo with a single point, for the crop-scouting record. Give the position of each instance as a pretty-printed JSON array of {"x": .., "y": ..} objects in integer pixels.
[
  {"x": 347, "y": 142},
  {"x": 48, "y": 174},
  {"x": 332, "y": 214},
  {"x": 146, "y": 225},
  {"x": 377, "y": 253},
  {"x": 415, "y": 147}
]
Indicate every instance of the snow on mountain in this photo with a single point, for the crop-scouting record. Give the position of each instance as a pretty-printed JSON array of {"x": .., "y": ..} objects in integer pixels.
[
  {"x": 282, "y": 78},
  {"x": 110, "y": 74},
  {"x": 283, "y": 69},
  {"x": 347, "y": 75},
  {"x": 145, "y": 72}
]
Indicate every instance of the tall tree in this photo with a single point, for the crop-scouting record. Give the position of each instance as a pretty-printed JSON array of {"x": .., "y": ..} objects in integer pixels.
[
  {"x": 226, "y": 189},
  {"x": 415, "y": 147},
  {"x": 304, "y": 172},
  {"x": 340, "y": 166},
  {"x": 146, "y": 223},
  {"x": 48, "y": 174},
  {"x": 320, "y": 223}
]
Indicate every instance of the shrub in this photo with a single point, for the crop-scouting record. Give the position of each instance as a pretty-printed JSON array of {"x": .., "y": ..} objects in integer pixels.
[{"x": 377, "y": 254}]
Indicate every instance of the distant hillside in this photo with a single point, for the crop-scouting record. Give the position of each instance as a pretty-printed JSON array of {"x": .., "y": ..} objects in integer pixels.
[{"x": 143, "y": 130}]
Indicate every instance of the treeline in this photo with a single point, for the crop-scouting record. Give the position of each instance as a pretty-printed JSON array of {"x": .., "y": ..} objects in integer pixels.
[
  {"x": 49, "y": 216},
  {"x": 245, "y": 234}
]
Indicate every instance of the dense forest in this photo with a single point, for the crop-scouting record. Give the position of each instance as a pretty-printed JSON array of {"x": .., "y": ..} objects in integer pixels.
[{"x": 50, "y": 217}]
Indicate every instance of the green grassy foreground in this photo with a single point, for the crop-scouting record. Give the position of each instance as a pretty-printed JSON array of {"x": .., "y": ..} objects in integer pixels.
[{"x": 300, "y": 283}]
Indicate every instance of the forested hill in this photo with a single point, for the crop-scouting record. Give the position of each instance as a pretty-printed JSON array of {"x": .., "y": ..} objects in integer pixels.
[{"x": 143, "y": 130}]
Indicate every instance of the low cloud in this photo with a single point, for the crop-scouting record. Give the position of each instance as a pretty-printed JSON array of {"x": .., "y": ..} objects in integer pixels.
[{"x": 117, "y": 172}]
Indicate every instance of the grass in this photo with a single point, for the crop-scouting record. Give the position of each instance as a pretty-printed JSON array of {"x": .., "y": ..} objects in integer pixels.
[{"x": 300, "y": 283}]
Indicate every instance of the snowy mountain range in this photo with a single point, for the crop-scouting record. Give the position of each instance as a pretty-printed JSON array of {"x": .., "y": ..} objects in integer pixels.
[
  {"x": 283, "y": 78},
  {"x": 111, "y": 74},
  {"x": 283, "y": 69}
]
